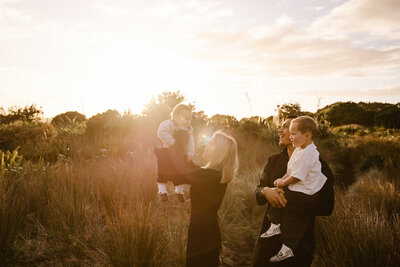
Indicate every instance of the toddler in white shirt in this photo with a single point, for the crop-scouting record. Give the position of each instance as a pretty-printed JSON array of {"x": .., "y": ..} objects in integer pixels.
[
  {"x": 304, "y": 177},
  {"x": 181, "y": 120}
]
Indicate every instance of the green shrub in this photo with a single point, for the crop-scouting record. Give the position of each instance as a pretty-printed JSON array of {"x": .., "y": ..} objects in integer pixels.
[
  {"x": 27, "y": 114},
  {"x": 342, "y": 113},
  {"x": 104, "y": 123},
  {"x": 373, "y": 160},
  {"x": 68, "y": 118},
  {"x": 389, "y": 117},
  {"x": 32, "y": 138},
  {"x": 349, "y": 129}
]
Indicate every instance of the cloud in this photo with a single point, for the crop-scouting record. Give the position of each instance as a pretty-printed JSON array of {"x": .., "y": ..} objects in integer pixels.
[
  {"x": 288, "y": 50},
  {"x": 13, "y": 21},
  {"x": 378, "y": 92},
  {"x": 190, "y": 12},
  {"x": 315, "y": 8},
  {"x": 3, "y": 2},
  {"x": 165, "y": 9},
  {"x": 110, "y": 10},
  {"x": 375, "y": 18},
  {"x": 14, "y": 14}
]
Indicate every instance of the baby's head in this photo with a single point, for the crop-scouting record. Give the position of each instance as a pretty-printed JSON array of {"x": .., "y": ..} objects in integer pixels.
[
  {"x": 302, "y": 131},
  {"x": 182, "y": 115}
]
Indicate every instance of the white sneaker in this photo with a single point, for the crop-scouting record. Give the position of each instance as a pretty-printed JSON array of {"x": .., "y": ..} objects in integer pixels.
[
  {"x": 283, "y": 254},
  {"x": 274, "y": 229}
]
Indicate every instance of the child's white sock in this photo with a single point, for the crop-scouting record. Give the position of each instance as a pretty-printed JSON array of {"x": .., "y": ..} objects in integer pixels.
[
  {"x": 179, "y": 189},
  {"x": 274, "y": 225},
  {"x": 162, "y": 188}
]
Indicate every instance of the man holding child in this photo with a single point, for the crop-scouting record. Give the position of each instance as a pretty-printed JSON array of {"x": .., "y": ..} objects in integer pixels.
[{"x": 309, "y": 193}]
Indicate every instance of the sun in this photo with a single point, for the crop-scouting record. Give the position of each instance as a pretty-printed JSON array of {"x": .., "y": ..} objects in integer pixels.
[{"x": 127, "y": 80}]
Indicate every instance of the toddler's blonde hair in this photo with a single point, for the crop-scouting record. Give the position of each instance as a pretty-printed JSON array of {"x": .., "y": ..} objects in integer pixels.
[
  {"x": 306, "y": 124},
  {"x": 178, "y": 110}
]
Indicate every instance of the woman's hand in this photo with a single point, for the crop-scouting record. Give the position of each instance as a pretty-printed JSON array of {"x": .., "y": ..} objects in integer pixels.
[{"x": 275, "y": 196}]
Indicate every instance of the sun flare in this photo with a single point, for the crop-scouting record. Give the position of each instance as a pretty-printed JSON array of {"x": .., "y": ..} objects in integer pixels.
[{"x": 128, "y": 80}]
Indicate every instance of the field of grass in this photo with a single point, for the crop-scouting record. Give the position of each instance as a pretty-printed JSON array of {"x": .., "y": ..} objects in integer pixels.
[{"x": 95, "y": 204}]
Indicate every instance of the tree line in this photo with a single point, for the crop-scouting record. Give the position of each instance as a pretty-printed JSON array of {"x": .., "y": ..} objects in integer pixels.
[{"x": 158, "y": 109}]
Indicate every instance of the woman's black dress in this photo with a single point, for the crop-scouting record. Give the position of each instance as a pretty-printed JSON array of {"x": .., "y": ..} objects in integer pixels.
[
  {"x": 204, "y": 238},
  {"x": 206, "y": 195}
]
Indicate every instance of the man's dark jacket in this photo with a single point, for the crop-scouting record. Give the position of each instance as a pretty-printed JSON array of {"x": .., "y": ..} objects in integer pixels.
[{"x": 267, "y": 247}]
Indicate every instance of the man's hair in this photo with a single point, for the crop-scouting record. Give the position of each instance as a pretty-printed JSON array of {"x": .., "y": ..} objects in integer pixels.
[
  {"x": 306, "y": 124},
  {"x": 178, "y": 110}
]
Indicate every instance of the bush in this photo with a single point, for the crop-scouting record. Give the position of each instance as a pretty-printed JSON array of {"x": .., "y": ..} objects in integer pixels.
[
  {"x": 68, "y": 118},
  {"x": 256, "y": 124},
  {"x": 104, "y": 123},
  {"x": 324, "y": 132},
  {"x": 350, "y": 129},
  {"x": 389, "y": 117},
  {"x": 34, "y": 139},
  {"x": 373, "y": 160},
  {"x": 343, "y": 113},
  {"x": 27, "y": 114},
  {"x": 219, "y": 121}
]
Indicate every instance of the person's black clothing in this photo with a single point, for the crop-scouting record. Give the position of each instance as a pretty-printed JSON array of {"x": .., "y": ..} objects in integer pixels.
[
  {"x": 171, "y": 161},
  {"x": 265, "y": 248},
  {"x": 292, "y": 225},
  {"x": 206, "y": 195}
]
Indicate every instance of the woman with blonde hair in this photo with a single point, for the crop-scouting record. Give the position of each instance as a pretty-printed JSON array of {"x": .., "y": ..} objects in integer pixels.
[{"x": 208, "y": 186}]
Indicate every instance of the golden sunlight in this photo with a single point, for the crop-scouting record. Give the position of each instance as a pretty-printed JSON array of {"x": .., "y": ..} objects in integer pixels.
[{"x": 127, "y": 80}]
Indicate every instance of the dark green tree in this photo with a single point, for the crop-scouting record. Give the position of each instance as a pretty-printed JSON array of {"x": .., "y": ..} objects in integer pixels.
[
  {"x": 287, "y": 109},
  {"x": 290, "y": 109},
  {"x": 343, "y": 113},
  {"x": 389, "y": 117},
  {"x": 159, "y": 108}
]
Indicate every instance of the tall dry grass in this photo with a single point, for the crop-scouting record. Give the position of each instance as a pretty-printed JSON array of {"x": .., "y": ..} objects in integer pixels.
[
  {"x": 240, "y": 219},
  {"x": 11, "y": 202},
  {"x": 95, "y": 212},
  {"x": 102, "y": 210},
  {"x": 364, "y": 229}
]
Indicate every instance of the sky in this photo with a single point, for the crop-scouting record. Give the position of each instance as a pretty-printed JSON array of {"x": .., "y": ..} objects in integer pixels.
[{"x": 240, "y": 58}]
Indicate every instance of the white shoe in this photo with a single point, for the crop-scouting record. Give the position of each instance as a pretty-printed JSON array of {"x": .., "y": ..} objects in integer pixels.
[
  {"x": 283, "y": 254},
  {"x": 274, "y": 229}
]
